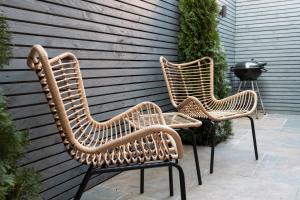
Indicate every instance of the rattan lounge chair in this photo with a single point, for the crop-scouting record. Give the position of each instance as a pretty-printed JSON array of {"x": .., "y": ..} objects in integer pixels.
[
  {"x": 191, "y": 90},
  {"x": 109, "y": 146}
]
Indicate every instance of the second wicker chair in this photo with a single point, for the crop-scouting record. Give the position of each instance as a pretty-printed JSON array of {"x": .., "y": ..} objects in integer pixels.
[{"x": 191, "y": 89}]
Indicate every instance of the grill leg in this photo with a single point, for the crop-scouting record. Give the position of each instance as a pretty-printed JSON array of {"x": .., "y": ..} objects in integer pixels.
[
  {"x": 261, "y": 102},
  {"x": 83, "y": 183},
  {"x": 245, "y": 83},
  {"x": 240, "y": 85},
  {"x": 196, "y": 159}
]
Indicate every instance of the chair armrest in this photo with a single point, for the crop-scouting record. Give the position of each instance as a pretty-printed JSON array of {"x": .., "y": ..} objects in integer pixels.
[
  {"x": 119, "y": 131},
  {"x": 142, "y": 133},
  {"x": 241, "y": 94},
  {"x": 245, "y": 100},
  {"x": 192, "y": 105}
]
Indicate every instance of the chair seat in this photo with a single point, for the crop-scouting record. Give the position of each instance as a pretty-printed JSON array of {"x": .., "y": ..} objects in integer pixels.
[
  {"x": 218, "y": 115},
  {"x": 192, "y": 109},
  {"x": 229, "y": 113},
  {"x": 139, "y": 151}
]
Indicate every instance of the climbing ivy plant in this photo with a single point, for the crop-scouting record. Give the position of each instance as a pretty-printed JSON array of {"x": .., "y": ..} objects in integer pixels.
[
  {"x": 16, "y": 183},
  {"x": 199, "y": 37}
]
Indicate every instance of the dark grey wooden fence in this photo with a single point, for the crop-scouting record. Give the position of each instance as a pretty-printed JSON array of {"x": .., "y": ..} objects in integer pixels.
[
  {"x": 118, "y": 44},
  {"x": 227, "y": 33},
  {"x": 227, "y": 30},
  {"x": 269, "y": 30}
]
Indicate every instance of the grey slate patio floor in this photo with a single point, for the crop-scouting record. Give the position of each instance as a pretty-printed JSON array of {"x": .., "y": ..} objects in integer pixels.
[{"x": 237, "y": 176}]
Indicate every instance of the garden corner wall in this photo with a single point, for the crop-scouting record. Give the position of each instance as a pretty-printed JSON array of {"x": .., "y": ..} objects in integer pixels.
[
  {"x": 269, "y": 31},
  {"x": 118, "y": 44},
  {"x": 227, "y": 30}
]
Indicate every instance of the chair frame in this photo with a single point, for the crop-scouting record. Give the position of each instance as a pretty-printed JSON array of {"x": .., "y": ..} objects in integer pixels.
[
  {"x": 110, "y": 146},
  {"x": 91, "y": 171},
  {"x": 202, "y": 107}
]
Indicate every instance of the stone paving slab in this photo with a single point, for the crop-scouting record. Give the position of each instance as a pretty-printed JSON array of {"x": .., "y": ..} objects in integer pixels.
[
  {"x": 104, "y": 193},
  {"x": 237, "y": 175},
  {"x": 292, "y": 123}
]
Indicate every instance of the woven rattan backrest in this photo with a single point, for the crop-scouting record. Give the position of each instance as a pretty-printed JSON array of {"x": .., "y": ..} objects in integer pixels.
[
  {"x": 62, "y": 83},
  {"x": 189, "y": 79}
]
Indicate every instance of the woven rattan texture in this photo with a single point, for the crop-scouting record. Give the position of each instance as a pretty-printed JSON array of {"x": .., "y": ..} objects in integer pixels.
[
  {"x": 100, "y": 144},
  {"x": 190, "y": 87}
]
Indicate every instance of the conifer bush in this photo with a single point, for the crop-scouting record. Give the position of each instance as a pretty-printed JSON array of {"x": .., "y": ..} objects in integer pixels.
[
  {"x": 199, "y": 37},
  {"x": 16, "y": 183}
]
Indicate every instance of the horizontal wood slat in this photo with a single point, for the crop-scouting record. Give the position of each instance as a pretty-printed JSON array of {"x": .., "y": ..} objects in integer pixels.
[
  {"x": 268, "y": 30},
  {"x": 118, "y": 44}
]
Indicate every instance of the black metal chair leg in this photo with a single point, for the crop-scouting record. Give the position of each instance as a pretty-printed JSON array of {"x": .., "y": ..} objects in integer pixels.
[
  {"x": 212, "y": 152},
  {"x": 171, "y": 180},
  {"x": 91, "y": 171},
  {"x": 196, "y": 159},
  {"x": 182, "y": 182},
  {"x": 142, "y": 180},
  {"x": 83, "y": 184},
  {"x": 254, "y": 137}
]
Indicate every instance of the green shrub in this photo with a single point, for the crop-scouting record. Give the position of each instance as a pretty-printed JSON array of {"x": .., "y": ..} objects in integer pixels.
[
  {"x": 199, "y": 37},
  {"x": 5, "y": 50},
  {"x": 16, "y": 183}
]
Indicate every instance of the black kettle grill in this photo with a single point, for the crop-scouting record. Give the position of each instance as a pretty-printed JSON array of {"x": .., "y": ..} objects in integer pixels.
[{"x": 249, "y": 70}]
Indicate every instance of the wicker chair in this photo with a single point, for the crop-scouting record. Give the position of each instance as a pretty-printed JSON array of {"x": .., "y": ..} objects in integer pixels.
[
  {"x": 110, "y": 146},
  {"x": 190, "y": 87}
]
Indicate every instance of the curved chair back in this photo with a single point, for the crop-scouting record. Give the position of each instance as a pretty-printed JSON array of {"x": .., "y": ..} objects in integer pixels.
[
  {"x": 62, "y": 84},
  {"x": 189, "y": 79}
]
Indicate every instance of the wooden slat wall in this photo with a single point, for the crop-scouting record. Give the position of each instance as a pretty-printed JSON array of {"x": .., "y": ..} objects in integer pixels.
[
  {"x": 227, "y": 34},
  {"x": 118, "y": 43},
  {"x": 227, "y": 30},
  {"x": 269, "y": 31}
]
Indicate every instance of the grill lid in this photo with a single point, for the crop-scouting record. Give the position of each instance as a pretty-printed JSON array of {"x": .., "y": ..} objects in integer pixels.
[
  {"x": 250, "y": 64},
  {"x": 249, "y": 70}
]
